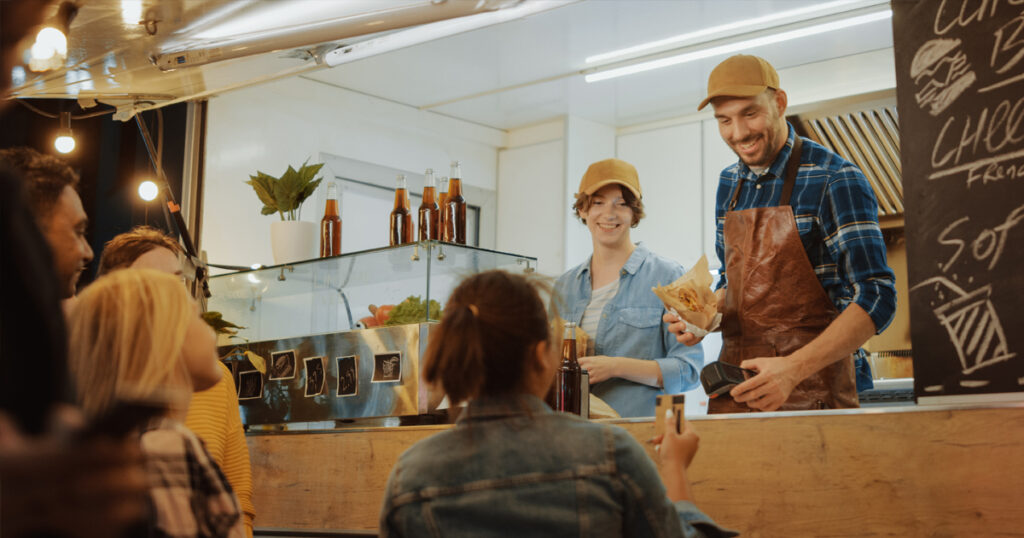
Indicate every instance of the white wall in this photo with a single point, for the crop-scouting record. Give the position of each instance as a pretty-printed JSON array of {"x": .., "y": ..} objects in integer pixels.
[
  {"x": 531, "y": 199},
  {"x": 716, "y": 156},
  {"x": 270, "y": 126},
  {"x": 668, "y": 162},
  {"x": 586, "y": 142}
]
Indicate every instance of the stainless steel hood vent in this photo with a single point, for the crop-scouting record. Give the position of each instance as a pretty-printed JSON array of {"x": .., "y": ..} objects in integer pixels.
[{"x": 868, "y": 137}]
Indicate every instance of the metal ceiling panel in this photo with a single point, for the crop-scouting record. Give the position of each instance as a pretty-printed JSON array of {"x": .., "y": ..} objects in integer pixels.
[{"x": 869, "y": 138}]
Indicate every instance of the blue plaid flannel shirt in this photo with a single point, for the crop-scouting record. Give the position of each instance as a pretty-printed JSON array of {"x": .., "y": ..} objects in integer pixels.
[{"x": 837, "y": 217}]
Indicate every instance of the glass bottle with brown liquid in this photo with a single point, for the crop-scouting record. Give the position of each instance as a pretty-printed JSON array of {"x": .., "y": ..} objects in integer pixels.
[
  {"x": 401, "y": 216},
  {"x": 565, "y": 394},
  {"x": 455, "y": 207},
  {"x": 330, "y": 225},
  {"x": 428, "y": 212},
  {"x": 442, "y": 219}
]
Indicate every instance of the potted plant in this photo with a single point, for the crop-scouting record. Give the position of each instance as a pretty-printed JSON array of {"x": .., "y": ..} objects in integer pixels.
[{"x": 291, "y": 239}]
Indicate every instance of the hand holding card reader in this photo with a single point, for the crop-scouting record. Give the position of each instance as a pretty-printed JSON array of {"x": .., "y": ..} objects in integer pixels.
[{"x": 719, "y": 377}]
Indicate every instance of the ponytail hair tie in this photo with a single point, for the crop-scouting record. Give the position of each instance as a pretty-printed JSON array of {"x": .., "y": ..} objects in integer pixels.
[{"x": 473, "y": 309}]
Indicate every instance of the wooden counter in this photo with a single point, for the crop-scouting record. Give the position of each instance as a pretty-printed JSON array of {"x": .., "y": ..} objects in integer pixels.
[{"x": 907, "y": 471}]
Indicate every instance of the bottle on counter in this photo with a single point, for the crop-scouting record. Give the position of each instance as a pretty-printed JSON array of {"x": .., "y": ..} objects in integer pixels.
[
  {"x": 442, "y": 199},
  {"x": 401, "y": 216},
  {"x": 566, "y": 394},
  {"x": 455, "y": 207},
  {"x": 428, "y": 212},
  {"x": 330, "y": 225}
]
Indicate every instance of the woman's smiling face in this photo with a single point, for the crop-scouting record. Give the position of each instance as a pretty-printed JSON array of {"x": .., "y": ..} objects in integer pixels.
[{"x": 608, "y": 217}]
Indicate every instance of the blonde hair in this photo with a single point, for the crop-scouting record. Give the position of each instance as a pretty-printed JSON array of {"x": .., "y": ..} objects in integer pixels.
[{"x": 126, "y": 334}]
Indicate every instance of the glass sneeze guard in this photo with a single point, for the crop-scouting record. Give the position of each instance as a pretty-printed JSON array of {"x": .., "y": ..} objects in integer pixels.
[{"x": 328, "y": 295}]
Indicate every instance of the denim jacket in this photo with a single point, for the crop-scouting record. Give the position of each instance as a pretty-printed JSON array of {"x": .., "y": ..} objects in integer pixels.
[
  {"x": 513, "y": 467},
  {"x": 631, "y": 326}
]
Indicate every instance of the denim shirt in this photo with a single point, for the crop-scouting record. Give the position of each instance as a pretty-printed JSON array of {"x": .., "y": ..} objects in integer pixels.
[
  {"x": 631, "y": 326},
  {"x": 513, "y": 467}
]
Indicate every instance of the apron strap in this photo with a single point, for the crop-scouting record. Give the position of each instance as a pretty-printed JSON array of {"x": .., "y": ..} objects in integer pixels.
[{"x": 792, "y": 166}]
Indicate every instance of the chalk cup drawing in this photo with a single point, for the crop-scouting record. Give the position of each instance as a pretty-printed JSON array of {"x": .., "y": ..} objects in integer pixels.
[
  {"x": 941, "y": 74},
  {"x": 972, "y": 323}
]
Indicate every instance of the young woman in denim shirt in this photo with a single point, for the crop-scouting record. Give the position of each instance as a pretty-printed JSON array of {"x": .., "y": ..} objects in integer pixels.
[
  {"x": 634, "y": 357},
  {"x": 513, "y": 467}
]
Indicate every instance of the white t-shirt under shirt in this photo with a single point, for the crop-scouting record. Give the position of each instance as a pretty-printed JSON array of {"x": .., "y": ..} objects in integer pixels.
[{"x": 592, "y": 315}]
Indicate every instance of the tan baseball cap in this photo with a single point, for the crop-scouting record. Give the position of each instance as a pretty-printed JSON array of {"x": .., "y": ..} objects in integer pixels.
[
  {"x": 607, "y": 172},
  {"x": 740, "y": 76}
]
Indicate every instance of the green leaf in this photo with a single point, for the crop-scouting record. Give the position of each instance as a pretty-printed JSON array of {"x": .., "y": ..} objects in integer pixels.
[
  {"x": 286, "y": 194},
  {"x": 220, "y": 325},
  {"x": 263, "y": 184}
]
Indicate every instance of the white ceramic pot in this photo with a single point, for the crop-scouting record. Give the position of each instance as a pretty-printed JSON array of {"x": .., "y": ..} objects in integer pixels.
[{"x": 292, "y": 240}]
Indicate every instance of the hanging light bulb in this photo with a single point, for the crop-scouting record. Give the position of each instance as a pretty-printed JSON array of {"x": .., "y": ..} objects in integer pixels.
[
  {"x": 148, "y": 190},
  {"x": 49, "y": 41},
  {"x": 65, "y": 141},
  {"x": 50, "y": 49}
]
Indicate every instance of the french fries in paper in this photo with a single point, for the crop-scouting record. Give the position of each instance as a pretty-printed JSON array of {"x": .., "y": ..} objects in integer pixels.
[{"x": 691, "y": 299}]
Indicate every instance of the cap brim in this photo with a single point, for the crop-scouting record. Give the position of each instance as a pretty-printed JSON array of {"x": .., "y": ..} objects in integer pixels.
[
  {"x": 597, "y": 186},
  {"x": 733, "y": 91}
]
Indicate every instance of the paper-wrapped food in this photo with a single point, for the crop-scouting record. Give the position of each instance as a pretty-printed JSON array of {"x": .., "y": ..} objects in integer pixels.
[{"x": 690, "y": 297}]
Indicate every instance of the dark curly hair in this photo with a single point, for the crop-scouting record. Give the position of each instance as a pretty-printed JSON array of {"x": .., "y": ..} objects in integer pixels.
[{"x": 44, "y": 177}]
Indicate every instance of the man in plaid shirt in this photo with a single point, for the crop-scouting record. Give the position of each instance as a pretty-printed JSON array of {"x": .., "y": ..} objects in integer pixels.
[{"x": 805, "y": 280}]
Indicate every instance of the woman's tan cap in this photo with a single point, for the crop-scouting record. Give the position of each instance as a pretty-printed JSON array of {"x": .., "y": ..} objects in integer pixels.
[
  {"x": 740, "y": 76},
  {"x": 607, "y": 172}
]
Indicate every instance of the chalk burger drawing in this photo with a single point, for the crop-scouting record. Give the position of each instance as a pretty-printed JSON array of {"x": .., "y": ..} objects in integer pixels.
[{"x": 941, "y": 73}]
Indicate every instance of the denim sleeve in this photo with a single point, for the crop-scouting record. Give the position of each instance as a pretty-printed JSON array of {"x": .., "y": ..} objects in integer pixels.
[
  {"x": 854, "y": 239},
  {"x": 387, "y": 529},
  {"x": 720, "y": 247},
  {"x": 647, "y": 508},
  {"x": 680, "y": 369},
  {"x": 680, "y": 364}
]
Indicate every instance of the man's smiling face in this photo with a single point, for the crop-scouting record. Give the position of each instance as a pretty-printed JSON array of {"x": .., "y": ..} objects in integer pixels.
[{"x": 754, "y": 127}]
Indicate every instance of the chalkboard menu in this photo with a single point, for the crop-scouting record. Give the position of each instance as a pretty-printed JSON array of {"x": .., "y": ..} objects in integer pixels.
[{"x": 960, "y": 87}]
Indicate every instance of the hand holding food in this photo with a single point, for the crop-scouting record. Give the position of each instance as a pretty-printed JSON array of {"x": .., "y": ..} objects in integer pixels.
[{"x": 691, "y": 299}]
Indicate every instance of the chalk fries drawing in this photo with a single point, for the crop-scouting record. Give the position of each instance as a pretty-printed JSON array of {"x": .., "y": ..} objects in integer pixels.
[
  {"x": 941, "y": 73},
  {"x": 973, "y": 325}
]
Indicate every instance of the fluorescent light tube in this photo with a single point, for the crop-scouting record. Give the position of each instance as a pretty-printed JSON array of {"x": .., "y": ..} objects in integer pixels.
[
  {"x": 436, "y": 30},
  {"x": 722, "y": 31},
  {"x": 736, "y": 47}
]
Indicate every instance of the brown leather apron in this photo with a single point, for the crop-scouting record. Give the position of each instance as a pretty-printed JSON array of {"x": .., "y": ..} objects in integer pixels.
[{"x": 774, "y": 303}]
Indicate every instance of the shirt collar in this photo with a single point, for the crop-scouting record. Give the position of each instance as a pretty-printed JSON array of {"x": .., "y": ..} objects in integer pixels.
[
  {"x": 778, "y": 166},
  {"x": 636, "y": 259},
  {"x": 491, "y": 407},
  {"x": 632, "y": 265}
]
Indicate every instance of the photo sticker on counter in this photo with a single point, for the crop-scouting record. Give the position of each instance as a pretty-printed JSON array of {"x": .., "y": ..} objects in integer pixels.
[
  {"x": 250, "y": 385},
  {"x": 282, "y": 365},
  {"x": 387, "y": 367},
  {"x": 348, "y": 378},
  {"x": 232, "y": 367},
  {"x": 314, "y": 376}
]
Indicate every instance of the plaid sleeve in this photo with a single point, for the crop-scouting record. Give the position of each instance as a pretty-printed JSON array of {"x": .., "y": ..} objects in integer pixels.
[
  {"x": 850, "y": 224},
  {"x": 190, "y": 496},
  {"x": 721, "y": 199}
]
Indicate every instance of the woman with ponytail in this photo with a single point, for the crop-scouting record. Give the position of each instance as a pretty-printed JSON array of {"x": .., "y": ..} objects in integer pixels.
[{"x": 511, "y": 466}]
